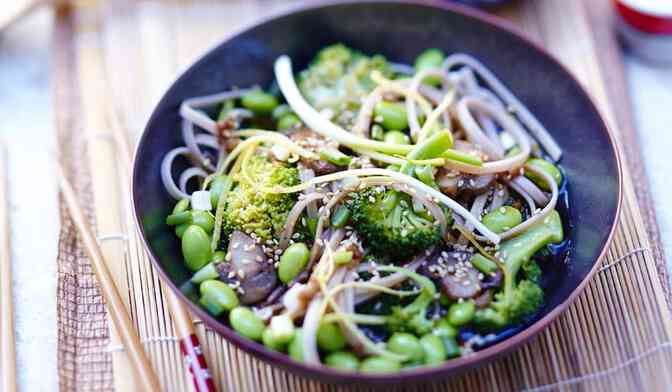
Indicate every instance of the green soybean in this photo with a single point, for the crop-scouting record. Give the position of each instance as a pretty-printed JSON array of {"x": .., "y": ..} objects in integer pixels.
[
  {"x": 245, "y": 322},
  {"x": 430, "y": 58},
  {"x": 461, "y": 313},
  {"x": 181, "y": 206},
  {"x": 378, "y": 364},
  {"x": 218, "y": 256},
  {"x": 342, "y": 360},
  {"x": 269, "y": 341},
  {"x": 377, "y": 132},
  {"x": 342, "y": 257},
  {"x": 218, "y": 185},
  {"x": 483, "y": 264},
  {"x": 205, "y": 273},
  {"x": 293, "y": 261},
  {"x": 396, "y": 137},
  {"x": 502, "y": 219},
  {"x": 196, "y": 247},
  {"x": 452, "y": 348},
  {"x": 180, "y": 229},
  {"x": 280, "y": 111},
  {"x": 445, "y": 329},
  {"x": 295, "y": 348},
  {"x": 391, "y": 115},
  {"x": 259, "y": 102},
  {"x": 178, "y": 218},
  {"x": 548, "y": 168},
  {"x": 435, "y": 351},
  {"x": 329, "y": 337},
  {"x": 288, "y": 121},
  {"x": 340, "y": 217},
  {"x": 217, "y": 297},
  {"x": 204, "y": 219},
  {"x": 406, "y": 344}
]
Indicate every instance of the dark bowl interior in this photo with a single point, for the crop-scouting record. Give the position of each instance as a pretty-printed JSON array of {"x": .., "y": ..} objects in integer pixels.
[{"x": 399, "y": 30}]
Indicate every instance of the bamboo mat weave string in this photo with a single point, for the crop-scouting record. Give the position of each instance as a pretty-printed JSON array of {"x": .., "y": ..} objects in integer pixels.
[{"x": 616, "y": 336}]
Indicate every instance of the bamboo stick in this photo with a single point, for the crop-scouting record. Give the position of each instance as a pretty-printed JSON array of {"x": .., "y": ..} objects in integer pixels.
[{"x": 8, "y": 362}]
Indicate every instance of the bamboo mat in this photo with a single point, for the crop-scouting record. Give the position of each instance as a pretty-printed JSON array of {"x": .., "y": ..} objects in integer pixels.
[{"x": 111, "y": 65}]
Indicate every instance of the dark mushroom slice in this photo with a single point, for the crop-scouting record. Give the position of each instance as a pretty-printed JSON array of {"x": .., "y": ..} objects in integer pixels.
[
  {"x": 454, "y": 273},
  {"x": 484, "y": 299},
  {"x": 310, "y": 140},
  {"x": 246, "y": 256},
  {"x": 467, "y": 185}
]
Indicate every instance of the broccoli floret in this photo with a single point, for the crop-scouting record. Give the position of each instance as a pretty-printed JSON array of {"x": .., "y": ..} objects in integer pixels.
[
  {"x": 532, "y": 271},
  {"x": 338, "y": 78},
  {"x": 250, "y": 208},
  {"x": 413, "y": 317},
  {"x": 518, "y": 301},
  {"x": 386, "y": 221}
]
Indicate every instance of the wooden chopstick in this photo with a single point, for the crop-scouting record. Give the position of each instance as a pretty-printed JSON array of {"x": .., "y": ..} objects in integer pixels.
[
  {"x": 115, "y": 305},
  {"x": 8, "y": 361}
]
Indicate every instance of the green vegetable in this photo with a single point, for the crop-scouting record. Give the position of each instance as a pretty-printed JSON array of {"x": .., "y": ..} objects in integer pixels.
[
  {"x": 218, "y": 185},
  {"x": 180, "y": 229},
  {"x": 250, "y": 208},
  {"x": 391, "y": 115},
  {"x": 531, "y": 271},
  {"x": 462, "y": 157},
  {"x": 259, "y": 102},
  {"x": 483, "y": 264},
  {"x": 282, "y": 328},
  {"x": 502, "y": 219},
  {"x": 218, "y": 256},
  {"x": 335, "y": 157},
  {"x": 430, "y": 58},
  {"x": 270, "y": 342},
  {"x": 295, "y": 348},
  {"x": 443, "y": 328},
  {"x": 430, "y": 148},
  {"x": 204, "y": 219},
  {"x": 329, "y": 337},
  {"x": 425, "y": 174},
  {"x": 196, "y": 247},
  {"x": 293, "y": 260},
  {"x": 433, "y": 348},
  {"x": 378, "y": 364},
  {"x": 217, "y": 297},
  {"x": 518, "y": 301},
  {"x": 280, "y": 111},
  {"x": 342, "y": 360},
  {"x": 342, "y": 257},
  {"x": 178, "y": 218},
  {"x": 227, "y": 106},
  {"x": 338, "y": 78},
  {"x": 412, "y": 317},
  {"x": 548, "y": 168},
  {"x": 377, "y": 132},
  {"x": 406, "y": 344},
  {"x": 340, "y": 217},
  {"x": 288, "y": 121},
  {"x": 181, "y": 206},
  {"x": 453, "y": 349},
  {"x": 396, "y": 137},
  {"x": 389, "y": 225},
  {"x": 205, "y": 273},
  {"x": 461, "y": 313},
  {"x": 246, "y": 323}
]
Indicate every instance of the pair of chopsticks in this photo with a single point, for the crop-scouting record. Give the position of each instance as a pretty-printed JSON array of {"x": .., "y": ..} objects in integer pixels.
[
  {"x": 8, "y": 355},
  {"x": 188, "y": 340}
]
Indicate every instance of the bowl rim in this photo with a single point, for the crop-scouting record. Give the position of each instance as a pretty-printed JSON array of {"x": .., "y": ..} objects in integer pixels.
[{"x": 450, "y": 367}]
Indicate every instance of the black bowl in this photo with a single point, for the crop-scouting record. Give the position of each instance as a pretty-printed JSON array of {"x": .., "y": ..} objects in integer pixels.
[{"x": 399, "y": 30}]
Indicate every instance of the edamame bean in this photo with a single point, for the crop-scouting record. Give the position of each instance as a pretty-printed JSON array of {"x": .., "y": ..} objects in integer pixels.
[
  {"x": 546, "y": 166},
  {"x": 280, "y": 111},
  {"x": 502, "y": 219},
  {"x": 293, "y": 261},
  {"x": 181, "y": 206},
  {"x": 378, "y": 364},
  {"x": 391, "y": 115},
  {"x": 295, "y": 348},
  {"x": 342, "y": 360},
  {"x": 406, "y": 344},
  {"x": 259, "y": 102},
  {"x": 453, "y": 349},
  {"x": 430, "y": 58},
  {"x": 270, "y": 342},
  {"x": 396, "y": 137},
  {"x": 180, "y": 229},
  {"x": 340, "y": 217},
  {"x": 204, "y": 219},
  {"x": 335, "y": 157},
  {"x": 218, "y": 256},
  {"x": 218, "y": 185},
  {"x": 178, "y": 218},
  {"x": 342, "y": 257},
  {"x": 435, "y": 351},
  {"x": 444, "y": 329},
  {"x": 245, "y": 322},
  {"x": 461, "y": 313},
  {"x": 377, "y": 132},
  {"x": 288, "y": 121},
  {"x": 205, "y": 273},
  {"x": 329, "y": 337},
  {"x": 196, "y": 247},
  {"x": 483, "y": 264},
  {"x": 217, "y": 297}
]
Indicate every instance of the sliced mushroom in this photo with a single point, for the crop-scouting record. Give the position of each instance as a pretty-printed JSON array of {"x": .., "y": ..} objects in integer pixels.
[
  {"x": 455, "y": 275},
  {"x": 483, "y": 300},
  {"x": 246, "y": 256},
  {"x": 258, "y": 287},
  {"x": 452, "y": 183},
  {"x": 310, "y": 140}
]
